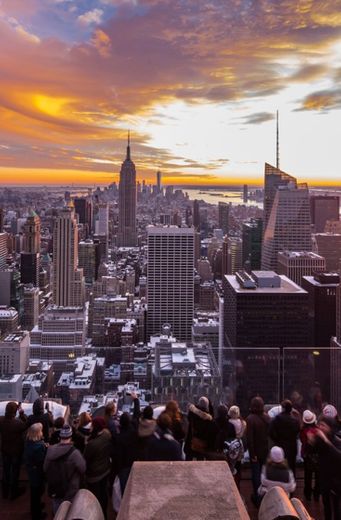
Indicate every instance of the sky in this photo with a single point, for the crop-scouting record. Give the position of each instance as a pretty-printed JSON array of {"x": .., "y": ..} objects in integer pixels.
[{"x": 197, "y": 83}]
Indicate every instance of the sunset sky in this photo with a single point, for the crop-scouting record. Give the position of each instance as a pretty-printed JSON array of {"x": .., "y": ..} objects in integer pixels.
[{"x": 197, "y": 82}]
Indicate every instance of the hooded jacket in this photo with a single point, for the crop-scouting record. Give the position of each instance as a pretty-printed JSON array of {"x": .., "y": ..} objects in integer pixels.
[{"x": 75, "y": 466}]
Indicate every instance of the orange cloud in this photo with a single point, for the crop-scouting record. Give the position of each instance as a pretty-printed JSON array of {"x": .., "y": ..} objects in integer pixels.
[{"x": 73, "y": 101}]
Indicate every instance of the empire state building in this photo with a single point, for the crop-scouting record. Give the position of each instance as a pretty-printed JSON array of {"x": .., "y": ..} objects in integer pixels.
[{"x": 127, "y": 236}]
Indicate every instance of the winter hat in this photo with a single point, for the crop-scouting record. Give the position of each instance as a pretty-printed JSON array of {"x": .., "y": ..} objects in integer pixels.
[
  {"x": 98, "y": 424},
  {"x": 309, "y": 417},
  {"x": 234, "y": 412},
  {"x": 277, "y": 454},
  {"x": 65, "y": 432},
  {"x": 329, "y": 411},
  {"x": 204, "y": 403}
]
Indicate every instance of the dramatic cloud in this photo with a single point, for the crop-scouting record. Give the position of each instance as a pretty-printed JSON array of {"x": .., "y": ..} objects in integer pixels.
[{"x": 115, "y": 60}]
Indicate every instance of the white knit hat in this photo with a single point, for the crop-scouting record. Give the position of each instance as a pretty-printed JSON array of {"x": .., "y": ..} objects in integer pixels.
[
  {"x": 276, "y": 454},
  {"x": 309, "y": 417},
  {"x": 329, "y": 411}
]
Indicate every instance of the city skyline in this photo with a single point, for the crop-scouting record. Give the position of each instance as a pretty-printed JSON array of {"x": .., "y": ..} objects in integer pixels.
[{"x": 197, "y": 85}]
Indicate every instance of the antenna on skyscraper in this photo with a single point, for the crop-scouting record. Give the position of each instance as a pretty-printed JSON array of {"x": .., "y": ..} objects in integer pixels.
[
  {"x": 277, "y": 139},
  {"x": 128, "y": 147}
]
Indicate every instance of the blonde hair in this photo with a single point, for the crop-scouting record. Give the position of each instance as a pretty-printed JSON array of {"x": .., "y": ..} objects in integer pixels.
[
  {"x": 84, "y": 419},
  {"x": 35, "y": 432}
]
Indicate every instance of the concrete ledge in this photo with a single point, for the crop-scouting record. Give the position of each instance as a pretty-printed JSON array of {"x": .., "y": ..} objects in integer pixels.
[
  {"x": 182, "y": 490},
  {"x": 85, "y": 506},
  {"x": 276, "y": 505}
]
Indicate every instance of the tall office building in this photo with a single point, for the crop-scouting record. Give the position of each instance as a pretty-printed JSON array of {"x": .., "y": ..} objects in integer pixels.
[
  {"x": 265, "y": 314},
  {"x": 335, "y": 357},
  {"x": 1, "y": 220},
  {"x": 102, "y": 224},
  {"x": 3, "y": 249},
  {"x": 30, "y": 256},
  {"x": 273, "y": 179},
  {"x": 323, "y": 208},
  {"x": 328, "y": 245},
  {"x": 223, "y": 216},
  {"x": 84, "y": 210},
  {"x": 170, "y": 280},
  {"x": 296, "y": 264},
  {"x": 127, "y": 235},
  {"x": 196, "y": 214},
  {"x": 31, "y": 307},
  {"x": 245, "y": 193},
  {"x": 322, "y": 319},
  {"x": 158, "y": 181},
  {"x": 252, "y": 243},
  {"x": 88, "y": 259},
  {"x": 65, "y": 260},
  {"x": 289, "y": 225},
  {"x": 234, "y": 254}
]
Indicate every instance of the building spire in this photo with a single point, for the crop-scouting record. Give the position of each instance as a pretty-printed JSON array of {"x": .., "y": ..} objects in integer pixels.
[
  {"x": 277, "y": 139},
  {"x": 128, "y": 147}
]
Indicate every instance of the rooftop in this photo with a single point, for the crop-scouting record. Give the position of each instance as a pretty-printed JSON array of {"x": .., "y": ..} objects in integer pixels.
[{"x": 287, "y": 286}]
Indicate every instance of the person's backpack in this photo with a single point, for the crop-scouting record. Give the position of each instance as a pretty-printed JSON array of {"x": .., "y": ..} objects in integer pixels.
[
  {"x": 57, "y": 477},
  {"x": 233, "y": 450}
]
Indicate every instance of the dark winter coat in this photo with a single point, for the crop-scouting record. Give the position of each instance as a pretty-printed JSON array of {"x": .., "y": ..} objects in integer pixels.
[
  {"x": 146, "y": 429},
  {"x": 257, "y": 430},
  {"x": 39, "y": 416},
  {"x": 97, "y": 455},
  {"x": 202, "y": 426},
  {"x": 329, "y": 463},
  {"x": 34, "y": 456},
  {"x": 179, "y": 428},
  {"x": 225, "y": 431},
  {"x": 75, "y": 466},
  {"x": 12, "y": 439},
  {"x": 284, "y": 430},
  {"x": 163, "y": 446}
]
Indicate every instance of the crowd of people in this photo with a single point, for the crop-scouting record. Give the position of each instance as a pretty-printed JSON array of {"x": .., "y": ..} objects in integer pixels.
[{"x": 98, "y": 452}]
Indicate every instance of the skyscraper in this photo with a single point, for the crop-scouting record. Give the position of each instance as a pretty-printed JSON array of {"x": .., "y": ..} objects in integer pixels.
[
  {"x": 65, "y": 259},
  {"x": 102, "y": 224},
  {"x": 252, "y": 243},
  {"x": 223, "y": 217},
  {"x": 127, "y": 236},
  {"x": 3, "y": 249},
  {"x": 296, "y": 264},
  {"x": 196, "y": 214},
  {"x": 30, "y": 256},
  {"x": 264, "y": 315},
  {"x": 158, "y": 181},
  {"x": 289, "y": 227},
  {"x": 170, "y": 280},
  {"x": 273, "y": 178},
  {"x": 323, "y": 208}
]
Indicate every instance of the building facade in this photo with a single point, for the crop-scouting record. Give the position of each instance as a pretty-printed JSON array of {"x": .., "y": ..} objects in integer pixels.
[{"x": 170, "y": 280}]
